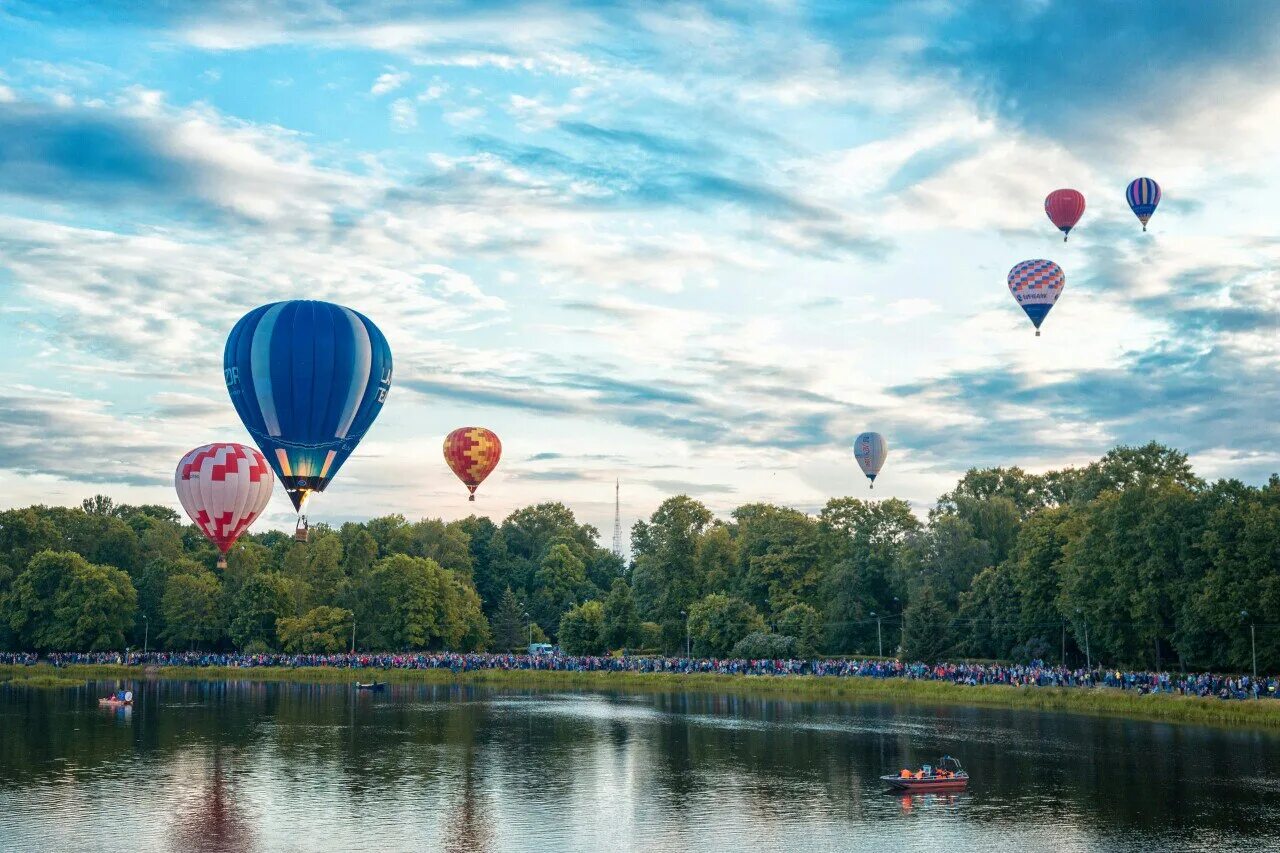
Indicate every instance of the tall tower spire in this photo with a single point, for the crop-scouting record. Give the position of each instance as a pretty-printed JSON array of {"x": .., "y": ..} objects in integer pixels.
[{"x": 617, "y": 518}]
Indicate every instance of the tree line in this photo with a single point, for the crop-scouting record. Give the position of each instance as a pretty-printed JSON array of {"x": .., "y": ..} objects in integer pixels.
[{"x": 1132, "y": 560}]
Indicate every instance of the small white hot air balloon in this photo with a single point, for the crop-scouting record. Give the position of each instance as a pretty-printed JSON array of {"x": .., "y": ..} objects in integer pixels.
[
  {"x": 870, "y": 450},
  {"x": 223, "y": 487}
]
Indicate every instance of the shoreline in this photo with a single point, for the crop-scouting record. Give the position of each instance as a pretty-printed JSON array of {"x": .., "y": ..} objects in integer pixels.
[{"x": 1097, "y": 701}]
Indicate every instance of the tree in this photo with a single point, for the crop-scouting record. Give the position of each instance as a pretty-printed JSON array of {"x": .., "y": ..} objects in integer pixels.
[
  {"x": 262, "y": 600},
  {"x": 862, "y": 544},
  {"x": 803, "y": 624},
  {"x": 717, "y": 622},
  {"x": 621, "y": 620},
  {"x": 321, "y": 630},
  {"x": 581, "y": 629},
  {"x": 778, "y": 551},
  {"x": 664, "y": 551},
  {"x": 559, "y": 580},
  {"x": 192, "y": 609},
  {"x": 760, "y": 645},
  {"x": 927, "y": 628},
  {"x": 63, "y": 602},
  {"x": 508, "y": 622}
]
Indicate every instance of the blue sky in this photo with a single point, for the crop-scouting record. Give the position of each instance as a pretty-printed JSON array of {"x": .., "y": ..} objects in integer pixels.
[{"x": 695, "y": 246}]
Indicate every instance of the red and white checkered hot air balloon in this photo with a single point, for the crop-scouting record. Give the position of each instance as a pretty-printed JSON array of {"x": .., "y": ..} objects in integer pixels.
[{"x": 223, "y": 487}]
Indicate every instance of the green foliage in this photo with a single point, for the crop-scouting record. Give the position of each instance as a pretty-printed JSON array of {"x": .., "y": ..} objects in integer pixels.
[
  {"x": 621, "y": 619},
  {"x": 261, "y": 602},
  {"x": 650, "y": 636},
  {"x": 192, "y": 609},
  {"x": 509, "y": 624},
  {"x": 62, "y": 601},
  {"x": 582, "y": 631},
  {"x": 559, "y": 581},
  {"x": 803, "y": 625},
  {"x": 318, "y": 631},
  {"x": 717, "y": 622},
  {"x": 760, "y": 645},
  {"x": 927, "y": 632},
  {"x": 1135, "y": 550}
]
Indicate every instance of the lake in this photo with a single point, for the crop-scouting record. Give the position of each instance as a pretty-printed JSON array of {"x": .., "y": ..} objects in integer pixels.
[{"x": 243, "y": 766}]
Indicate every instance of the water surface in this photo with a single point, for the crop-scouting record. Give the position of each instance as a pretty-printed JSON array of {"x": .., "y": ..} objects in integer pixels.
[{"x": 241, "y": 766}]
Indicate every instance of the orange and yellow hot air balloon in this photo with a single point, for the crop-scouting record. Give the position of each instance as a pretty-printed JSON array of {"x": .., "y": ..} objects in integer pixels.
[{"x": 472, "y": 453}]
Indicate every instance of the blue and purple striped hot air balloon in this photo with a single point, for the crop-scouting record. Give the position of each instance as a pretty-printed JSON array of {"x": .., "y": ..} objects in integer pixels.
[{"x": 1143, "y": 195}]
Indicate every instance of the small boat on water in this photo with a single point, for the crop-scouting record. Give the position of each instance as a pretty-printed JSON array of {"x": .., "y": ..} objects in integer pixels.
[
  {"x": 121, "y": 699},
  {"x": 947, "y": 776},
  {"x": 373, "y": 685}
]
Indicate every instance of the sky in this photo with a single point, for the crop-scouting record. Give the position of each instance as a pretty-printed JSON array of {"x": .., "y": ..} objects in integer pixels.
[{"x": 694, "y": 247}]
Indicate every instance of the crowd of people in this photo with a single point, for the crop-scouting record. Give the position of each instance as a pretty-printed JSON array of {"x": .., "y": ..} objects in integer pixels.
[{"x": 1035, "y": 674}]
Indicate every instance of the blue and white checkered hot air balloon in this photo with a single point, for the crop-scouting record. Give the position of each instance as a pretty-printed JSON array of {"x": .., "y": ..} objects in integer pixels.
[
  {"x": 870, "y": 449},
  {"x": 308, "y": 379},
  {"x": 1143, "y": 195}
]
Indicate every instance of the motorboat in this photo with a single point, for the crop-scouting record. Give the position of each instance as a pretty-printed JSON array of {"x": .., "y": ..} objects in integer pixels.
[
  {"x": 120, "y": 699},
  {"x": 946, "y": 776},
  {"x": 373, "y": 685}
]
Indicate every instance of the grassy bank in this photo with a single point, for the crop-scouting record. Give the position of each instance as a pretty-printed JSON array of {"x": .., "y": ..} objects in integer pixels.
[
  {"x": 1101, "y": 701},
  {"x": 41, "y": 677}
]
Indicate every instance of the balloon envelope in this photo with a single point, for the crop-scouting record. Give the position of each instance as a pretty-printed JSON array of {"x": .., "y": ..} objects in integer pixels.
[
  {"x": 223, "y": 487},
  {"x": 1036, "y": 285},
  {"x": 308, "y": 379},
  {"x": 472, "y": 453},
  {"x": 1143, "y": 195},
  {"x": 1064, "y": 208},
  {"x": 870, "y": 449}
]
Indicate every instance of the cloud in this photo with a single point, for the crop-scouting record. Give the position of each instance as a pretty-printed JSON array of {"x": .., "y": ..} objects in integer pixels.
[
  {"x": 78, "y": 439},
  {"x": 143, "y": 154},
  {"x": 388, "y": 82}
]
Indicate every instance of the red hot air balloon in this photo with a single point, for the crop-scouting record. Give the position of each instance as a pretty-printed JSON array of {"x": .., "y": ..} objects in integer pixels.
[
  {"x": 1065, "y": 207},
  {"x": 223, "y": 487},
  {"x": 472, "y": 453}
]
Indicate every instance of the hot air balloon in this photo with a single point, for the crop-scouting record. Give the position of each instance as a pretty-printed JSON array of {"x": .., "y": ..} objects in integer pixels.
[
  {"x": 870, "y": 450},
  {"x": 472, "y": 453},
  {"x": 223, "y": 487},
  {"x": 1064, "y": 207},
  {"x": 1036, "y": 285},
  {"x": 308, "y": 379},
  {"x": 1143, "y": 195}
]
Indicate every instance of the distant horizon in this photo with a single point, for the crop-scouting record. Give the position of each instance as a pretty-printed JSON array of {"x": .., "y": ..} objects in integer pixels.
[{"x": 698, "y": 248}]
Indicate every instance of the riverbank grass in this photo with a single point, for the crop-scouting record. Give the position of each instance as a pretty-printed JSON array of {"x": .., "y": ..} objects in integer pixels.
[
  {"x": 44, "y": 678},
  {"x": 1099, "y": 701}
]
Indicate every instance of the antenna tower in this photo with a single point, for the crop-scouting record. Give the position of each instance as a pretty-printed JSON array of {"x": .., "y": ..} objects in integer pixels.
[{"x": 617, "y": 519}]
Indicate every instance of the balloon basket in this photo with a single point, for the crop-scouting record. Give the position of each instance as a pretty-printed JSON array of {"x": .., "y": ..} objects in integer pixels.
[
  {"x": 471, "y": 498},
  {"x": 222, "y": 561},
  {"x": 1037, "y": 333}
]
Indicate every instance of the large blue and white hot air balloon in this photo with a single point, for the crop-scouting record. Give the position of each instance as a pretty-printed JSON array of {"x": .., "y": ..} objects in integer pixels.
[
  {"x": 308, "y": 379},
  {"x": 870, "y": 449}
]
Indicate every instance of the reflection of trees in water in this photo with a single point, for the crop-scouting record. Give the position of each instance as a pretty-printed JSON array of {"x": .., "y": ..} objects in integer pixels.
[
  {"x": 459, "y": 755},
  {"x": 467, "y": 827},
  {"x": 209, "y": 819}
]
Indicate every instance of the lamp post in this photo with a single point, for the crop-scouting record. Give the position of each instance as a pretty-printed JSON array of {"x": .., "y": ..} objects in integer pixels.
[
  {"x": 146, "y": 632},
  {"x": 530, "y": 622},
  {"x": 353, "y": 635},
  {"x": 902, "y": 624},
  {"x": 879, "y": 637},
  {"x": 1253, "y": 643},
  {"x": 687, "y": 644}
]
